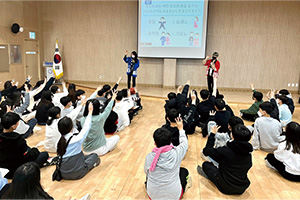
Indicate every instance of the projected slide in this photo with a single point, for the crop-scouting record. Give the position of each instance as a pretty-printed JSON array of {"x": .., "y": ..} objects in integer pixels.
[{"x": 166, "y": 28}]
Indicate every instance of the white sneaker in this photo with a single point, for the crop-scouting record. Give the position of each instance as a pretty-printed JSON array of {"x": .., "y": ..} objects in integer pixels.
[
  {"x": 204, "y": 157},
  {"x": 269, "y": 165},
  {"x": 86, "y": 197},
  {"x": 36, "y": 128}
]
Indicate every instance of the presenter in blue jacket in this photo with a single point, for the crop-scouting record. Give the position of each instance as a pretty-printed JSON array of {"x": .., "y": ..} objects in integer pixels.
[{"x": 133, "y": 64}]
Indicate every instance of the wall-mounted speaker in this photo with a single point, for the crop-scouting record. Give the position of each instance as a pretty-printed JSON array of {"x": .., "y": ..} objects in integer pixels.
[{"x": 15, "y": 28}]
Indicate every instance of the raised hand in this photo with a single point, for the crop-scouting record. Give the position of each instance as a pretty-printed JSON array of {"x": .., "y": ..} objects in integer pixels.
[
  {"x": 179, "y": 89},
  {"x": 272, "y": 93},
  {"x": 252, "y": 86},
  {"x": 83, "y": 101},
  {"x": 214, "y": 129},
  {"x": 179, "y": 123},
  {"x": 29, "y": 77},
  {"x": 99, "y": 88},
  {"x": 193, "y": 95},
  {"x": 8, "y": 108},
  {"x": 120, "y": 78},
  {"x": 268, "y": 95},
  {"x": 212, "y": 113},
  {"x": 114, "y": 95},
  {"x": 26, "y": 88},
  {"x": 91, "y": 108}
]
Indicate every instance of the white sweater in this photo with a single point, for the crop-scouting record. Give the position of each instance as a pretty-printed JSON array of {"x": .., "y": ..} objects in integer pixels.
[
  {"x": 288, "y": 158},
  {"x": 34, "y": 92},
  {"x": 53, "y": 135},
  {"x": 121, "y": 108},
  {"x": 57, "y": 96}
]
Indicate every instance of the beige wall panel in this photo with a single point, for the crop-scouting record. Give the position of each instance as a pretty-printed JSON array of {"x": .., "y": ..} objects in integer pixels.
[
  {"x": 257, "y": 41},
  {"x": 25, "y": 14},
  {"x": 11, "y": 11}
]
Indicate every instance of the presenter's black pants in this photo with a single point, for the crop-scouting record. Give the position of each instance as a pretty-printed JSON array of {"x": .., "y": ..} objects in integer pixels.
[
  {"x": 210, "y": 84},
  {"x": 129, "y": 81}
]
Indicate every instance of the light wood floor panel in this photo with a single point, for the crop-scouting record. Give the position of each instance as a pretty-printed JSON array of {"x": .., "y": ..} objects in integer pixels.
[{"x": 121, "y": 172}]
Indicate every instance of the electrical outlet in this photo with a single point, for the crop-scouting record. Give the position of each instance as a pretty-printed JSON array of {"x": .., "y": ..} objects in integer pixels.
[
  {"x": 293, "y": 84},
  {"x": 289, "y": 85},
  {"x": 296, "y": 85}
]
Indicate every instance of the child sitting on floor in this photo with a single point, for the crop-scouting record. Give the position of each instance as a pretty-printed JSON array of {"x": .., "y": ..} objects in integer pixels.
[
  {"x": 165, "y": 178},
  {"x": 234, "y": 160},
  {"x": 286, "y": 159},
  {"x": 13, "y": 148},
  {"x": 267, "y": 130},
  {"x": 74, "y": 164},
  {"x": 250, "y": 114}
]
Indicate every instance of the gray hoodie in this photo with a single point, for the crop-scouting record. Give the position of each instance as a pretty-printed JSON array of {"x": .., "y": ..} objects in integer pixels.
[{"x": 164, "y": 182}]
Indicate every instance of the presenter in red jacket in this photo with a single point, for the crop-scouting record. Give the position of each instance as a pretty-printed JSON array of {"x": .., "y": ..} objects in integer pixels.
[{"x": 212, "y": 71}]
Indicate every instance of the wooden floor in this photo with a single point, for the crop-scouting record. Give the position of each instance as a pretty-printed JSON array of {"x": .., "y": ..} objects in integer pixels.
[
  {"x": 121, "y": 176},
  {"x": 241, "y": 96}
]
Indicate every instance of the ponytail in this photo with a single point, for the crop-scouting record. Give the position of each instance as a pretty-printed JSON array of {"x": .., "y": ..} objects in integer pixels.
[
  {"x": 65, "y": 125},
  {"x": 52, "y": 113},
  {"x": 61, "y": 146},
  {"x": 49, "y": 121}
]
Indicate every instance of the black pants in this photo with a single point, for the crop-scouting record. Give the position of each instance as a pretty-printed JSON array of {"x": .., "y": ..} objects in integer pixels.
[
  {"x": 129, "y": 81},
  {"x": 212, "y": 173},
  {"x": 42, "y": 158},
  {"x": 280, "y": 167},
  {"x": 249, "y": 117},
  {"x": 210, "y": 84},
  {"x": 131, "y": 113},
  {"x": 183, "y": 175}
]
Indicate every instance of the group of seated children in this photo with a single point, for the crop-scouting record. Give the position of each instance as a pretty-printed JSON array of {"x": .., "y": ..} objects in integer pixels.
[
  {"x": 76, "y": 128},
  {"x": 228, "y": 151},
  {"x": 75, "y": 125}
]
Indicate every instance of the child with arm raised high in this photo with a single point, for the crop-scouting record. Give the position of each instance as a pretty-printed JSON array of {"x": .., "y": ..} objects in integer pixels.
[
  {"x": 74, "y": 164},
  {"x": 250, "y": 114},
  {"x": 52, "y": 134},
  {"x": 165, "y": 178},
  {"x": 96, "y": 142}
]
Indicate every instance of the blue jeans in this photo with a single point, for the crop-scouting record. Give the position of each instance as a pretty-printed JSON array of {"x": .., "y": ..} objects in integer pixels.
[{"x": 31, "y": 124}]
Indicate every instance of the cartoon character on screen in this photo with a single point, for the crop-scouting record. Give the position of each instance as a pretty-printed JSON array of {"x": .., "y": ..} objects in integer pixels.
[
  {"x": 196, "y": 19},
  {"x": 163, "y": 39},
  {"x": 191, "y": 39},
  {"x": 162, "y": 23},
  {"x": 168, "y": 39},
  {"x": 196, "y": 40}
]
